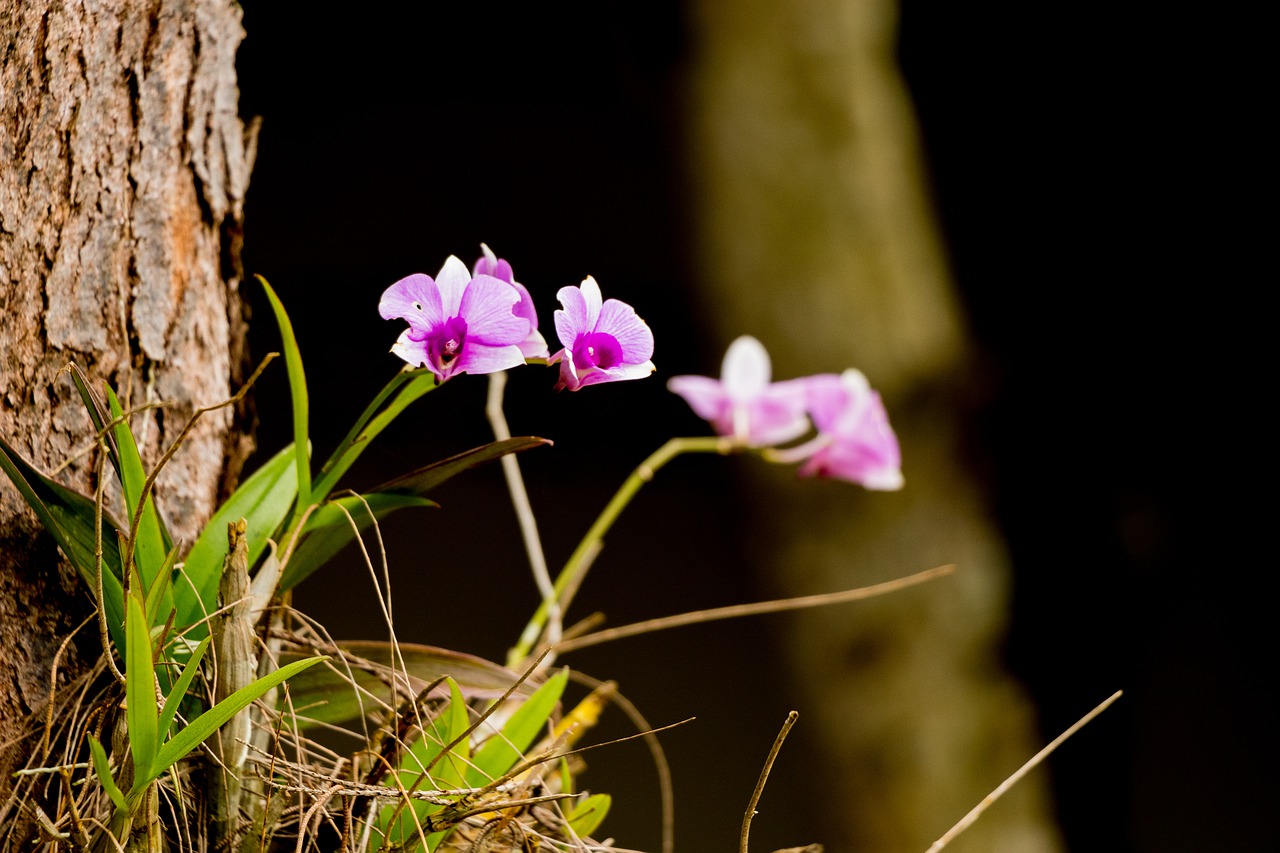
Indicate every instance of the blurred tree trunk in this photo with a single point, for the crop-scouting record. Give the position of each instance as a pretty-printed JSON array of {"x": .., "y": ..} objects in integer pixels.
[
  {"x": 816, "y": 237},
  {"x": 123, "y": 168}
]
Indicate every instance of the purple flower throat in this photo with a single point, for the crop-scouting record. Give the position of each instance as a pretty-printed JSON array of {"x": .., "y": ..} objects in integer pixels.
[
  {"x": 596, "y": 349},
  {"x": 444, "y": 343}
]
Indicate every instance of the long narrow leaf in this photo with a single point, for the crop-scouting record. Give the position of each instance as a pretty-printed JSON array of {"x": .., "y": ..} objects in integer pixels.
[
  {"x": 397, "y": 822},
  {"x": 207, "y": 723},
  {"x": 326, "y": 696},
  {"x": 451, "y": 770},
  {"x": 180, "y": 687},
  {"x": 263, "y": 501},
  {"x": 358, "y": 427},
  {"x": 298, "y": 395},
  {"x": 103, "y": 770},
  {"x": 429, "y": 477},
  {"x": 99, "y": 414},
  {"x": 151, "y": 547},
  {"x": 140, "y": 691},
  {"x": 422, "y": 382},
  {"x": 500, "y": 752},
  {"x": 69, "y": 518},
  {"x": 328, "y": 530},
  {"x": 161, "y": 590}
]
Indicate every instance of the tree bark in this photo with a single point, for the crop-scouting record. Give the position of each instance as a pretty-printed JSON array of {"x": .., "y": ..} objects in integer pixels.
[
  {"x": 123, "y": 168},
  {"x": 816, "y": 236}
]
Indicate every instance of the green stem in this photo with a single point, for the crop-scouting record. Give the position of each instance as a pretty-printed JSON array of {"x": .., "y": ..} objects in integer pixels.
[
  {"x": 368, "y": 426},
  {"x": 570, "y": 575},
  {"x": 369, "y": 411}
]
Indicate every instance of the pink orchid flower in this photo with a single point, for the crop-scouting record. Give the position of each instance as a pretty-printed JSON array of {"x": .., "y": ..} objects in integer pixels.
[
  {"x": 743, "y": 403},
  {"x": 855, "y": 441},
  {"x": 535, "y": 345},
  {"x": 457, "y": 323},
  {"x": 603, "y": 342}
]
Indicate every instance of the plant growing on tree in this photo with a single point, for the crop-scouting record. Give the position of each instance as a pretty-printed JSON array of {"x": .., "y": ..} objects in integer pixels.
[{"x": 198, "y": 727}]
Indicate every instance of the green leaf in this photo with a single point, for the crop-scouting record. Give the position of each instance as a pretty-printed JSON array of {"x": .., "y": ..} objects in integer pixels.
[
  {"x": 328, "y": 530},
  {"x": 180, "y": 687},
  {"x": 161, "y": 591},
  {"x": 425, "y": 479},
  {"x": 353, "y": 434},
  {"x": 68, "y": 516},
  {"x": 140, "y": 691},
  {"x": 585, "y": 817},
  {"x": 298, "y": 393},
  {"x": 325, "y": 695},
  {"x": 419, "y": 382},
  {"x": 451, "y": 771},
  {"x": 99, "y": 414},
  {"x": 151, "y": 545},
  {"x": 501, "y": 752},
  {"x": 263, "y": 501},
  {"x": 396, "y": 821},
  {"x": 104, "y": 773},
  {"x": 211, "y": 720}
]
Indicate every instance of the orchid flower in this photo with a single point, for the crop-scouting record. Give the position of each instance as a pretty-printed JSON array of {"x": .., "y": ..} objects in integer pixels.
[
  {"x": 602, "y": 342},
  {"x": 855, "y": 441},
  {"x": 743, "y": 403},
  {"x": 535, "y": 345},
  {"x": 457, "y": 323}
]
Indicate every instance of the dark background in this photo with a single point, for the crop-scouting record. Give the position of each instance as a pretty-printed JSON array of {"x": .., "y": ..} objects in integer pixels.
[{"x": 1078, "y": 167}]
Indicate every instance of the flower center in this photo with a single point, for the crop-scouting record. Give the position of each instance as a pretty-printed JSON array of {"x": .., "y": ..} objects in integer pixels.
[
  {"x": 447, "y": 341},
  {"x": 597, "y": 349}
]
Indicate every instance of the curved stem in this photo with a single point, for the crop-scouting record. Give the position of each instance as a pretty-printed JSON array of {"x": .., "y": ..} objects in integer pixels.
[
  {"x": 570, "y": 575},
  {"x": 524, "y": 509}
]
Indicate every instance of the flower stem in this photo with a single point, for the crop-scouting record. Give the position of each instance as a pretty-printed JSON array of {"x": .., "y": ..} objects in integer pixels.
[
  {"x": 523, "y": 508},
  {"x": 569, "y": 576}
]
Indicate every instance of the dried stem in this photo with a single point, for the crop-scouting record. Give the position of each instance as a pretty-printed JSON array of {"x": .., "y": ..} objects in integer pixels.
[
  {"x": 973, "y": 815},
  {"x": 524, "y": 511},
  {"x": 764, "y": 777},
  {"x": 734, "y": 611}
]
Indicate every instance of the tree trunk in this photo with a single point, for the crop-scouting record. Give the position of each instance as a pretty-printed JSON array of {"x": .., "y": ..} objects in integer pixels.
[
  {"x": 123, "y": 168},
  {"x": 816, "y": 237}
]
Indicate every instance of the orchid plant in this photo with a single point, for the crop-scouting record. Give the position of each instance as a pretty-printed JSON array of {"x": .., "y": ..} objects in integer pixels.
[{"x": 209, "y": 674}]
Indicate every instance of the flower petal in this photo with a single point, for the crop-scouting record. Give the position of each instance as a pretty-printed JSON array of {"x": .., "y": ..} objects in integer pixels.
[
  {"x": 452, "y": 280},
  {"x": 827, "y": 398},
  {"x": 535, "y": 345},
  {"x": 624, "y": 372},
  {"x": 568, "y": 374},
  {"x": 487, "y": 306},
  {"x": 706, "y": 396},
  {"x": 485, "y": 263},
  {"x": 777, "y": 414},
  {"x": 575, "y": 318},
  {"x": 620, "y": 320},
  {"x": 415, "y": 298},
  {"x": 414, "y": 352},
  {"x": 480, "y": 358},
  {"x": 746, "y": 369},
  {"x": 860, "y": 444}
]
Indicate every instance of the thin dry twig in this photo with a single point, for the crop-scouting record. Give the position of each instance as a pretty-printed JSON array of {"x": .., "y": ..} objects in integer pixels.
[
  {"x": 966, "y": 821},
  {"x": 665, "y": 788},
  {"x": 697, "y": 617},
  {"x": 764, "y": 777}
]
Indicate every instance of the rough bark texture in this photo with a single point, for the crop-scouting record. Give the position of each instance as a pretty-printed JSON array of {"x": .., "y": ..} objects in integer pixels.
[
  {"x": 123, "y": 169},
  {"x": 818, "y": 239}
]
